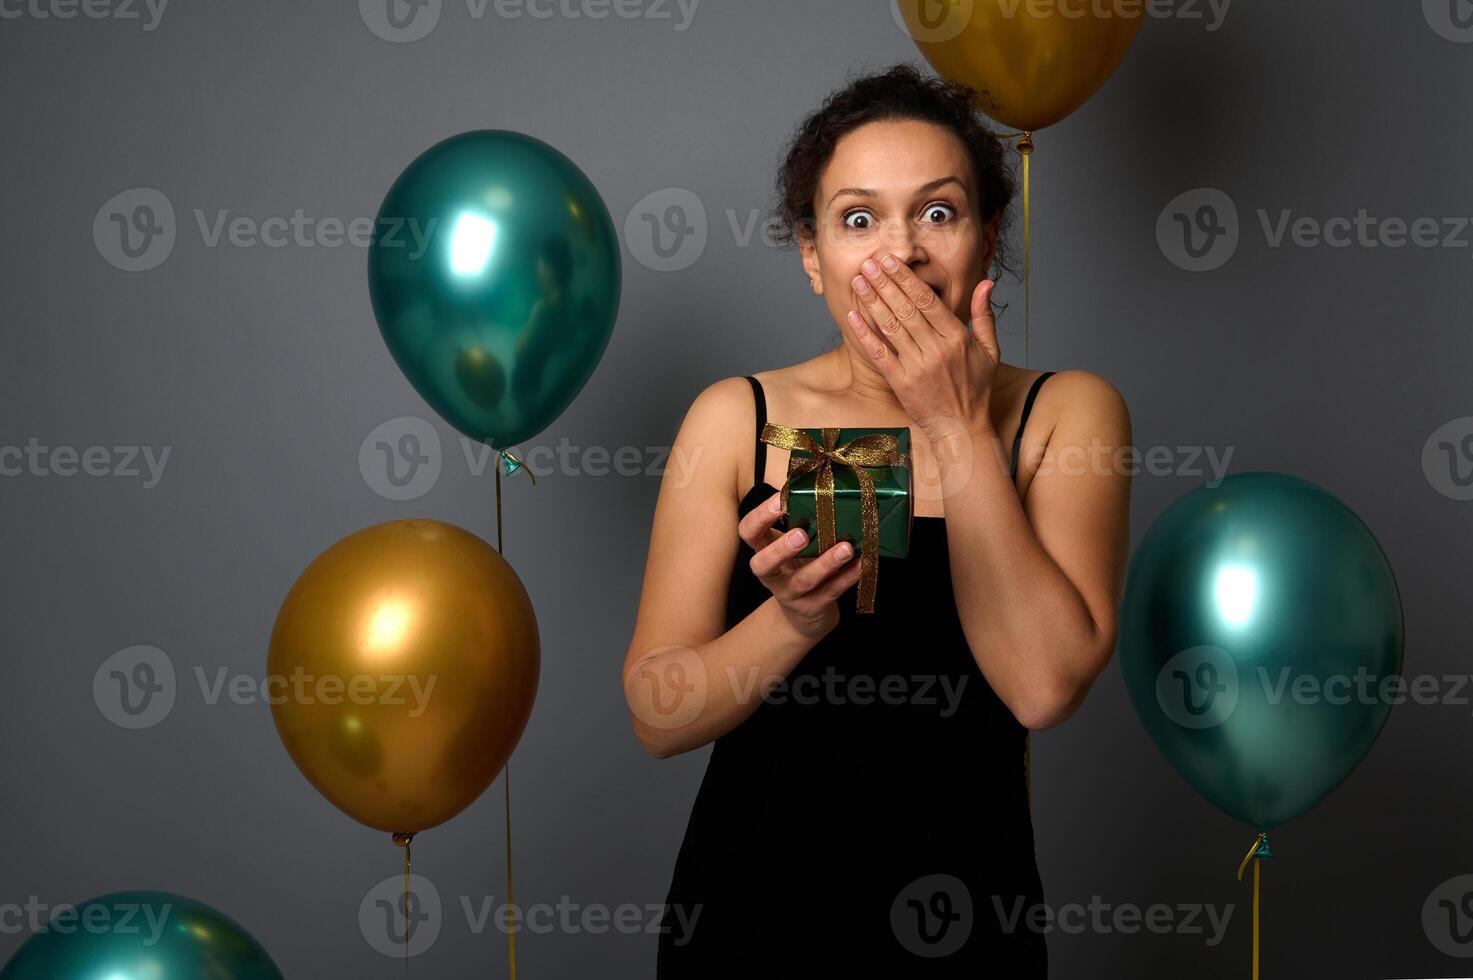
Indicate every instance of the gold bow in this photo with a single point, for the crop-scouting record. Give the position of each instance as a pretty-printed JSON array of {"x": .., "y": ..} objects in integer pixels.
[{"x": 875, "y": 449}]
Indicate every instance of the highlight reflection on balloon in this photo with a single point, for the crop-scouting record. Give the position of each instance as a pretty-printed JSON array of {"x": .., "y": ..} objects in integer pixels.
[
  {"x": 140, "y": 935},
  {"x": 407, "y": 660},
  {"x": 1260, "y": 619},
  {"x": 519, "y": 282}
]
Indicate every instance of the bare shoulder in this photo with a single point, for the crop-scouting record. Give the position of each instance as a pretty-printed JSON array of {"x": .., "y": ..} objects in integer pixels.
[
  {"x": 1083, "y": 401},
  {"x": 722, "y": 402},
  {"x": 716, "y": 425}
]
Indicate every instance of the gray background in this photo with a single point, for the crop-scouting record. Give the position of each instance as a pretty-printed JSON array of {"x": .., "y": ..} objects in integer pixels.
[{"x": 261, "y": 368}]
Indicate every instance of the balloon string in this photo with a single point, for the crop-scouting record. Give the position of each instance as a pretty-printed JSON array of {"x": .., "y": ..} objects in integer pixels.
[
  {"x": 1025, "y": 146},
  {"x": 511, "y": 934},
  {"x": 1256, "y": 853},
  {"x": 406, "y": 908}
]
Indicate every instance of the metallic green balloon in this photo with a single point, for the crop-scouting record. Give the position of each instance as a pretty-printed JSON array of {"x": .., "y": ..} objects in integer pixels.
[
  {"x": 1261, "y": 642},
  {"x": 495, "y": 276},
  {"x": 140, "y": 936}
]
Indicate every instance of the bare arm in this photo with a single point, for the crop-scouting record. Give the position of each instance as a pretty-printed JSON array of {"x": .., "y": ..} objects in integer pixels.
[
  {"x": 1037, "y": 581},
  {"x": 687, "y": 679}
]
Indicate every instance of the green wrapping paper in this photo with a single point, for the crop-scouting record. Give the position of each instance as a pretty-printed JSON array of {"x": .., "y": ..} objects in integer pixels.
[{"x": 848, "y": 463}]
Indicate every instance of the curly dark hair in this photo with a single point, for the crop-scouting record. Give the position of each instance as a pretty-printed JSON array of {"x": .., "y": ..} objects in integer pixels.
[{"x": 899, "y": 92}]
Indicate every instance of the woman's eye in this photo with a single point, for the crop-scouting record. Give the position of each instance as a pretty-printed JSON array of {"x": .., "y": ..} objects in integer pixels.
[
  {"x": 864, "y": 223},
  {"x": 945, "y": 210}
]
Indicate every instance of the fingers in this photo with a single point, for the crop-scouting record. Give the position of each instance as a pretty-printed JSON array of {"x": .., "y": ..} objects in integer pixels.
[
  {"x": 899, "y": 324},
  {"x": 931, "y": 313},
  {"x": 792, "y": 582},
  {"x": 804, "y": 583},
  {"x": 770, "y": 562},
  {"x": 816, "y": 572},
  {"x": 984, "y": 324},
  {"x": 870, "y": 341},
  {"x": 756, "y": 527}
]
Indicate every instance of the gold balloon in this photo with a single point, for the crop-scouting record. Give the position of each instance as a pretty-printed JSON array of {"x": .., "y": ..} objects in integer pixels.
[
  {"x": 1035, "y": 61},
  {"x": 403, "y": 667}
]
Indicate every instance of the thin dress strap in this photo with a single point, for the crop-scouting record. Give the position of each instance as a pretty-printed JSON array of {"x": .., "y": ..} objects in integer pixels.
[
  {"x": 759, "y": 462},
  {"x": 1023, "y": 421}
]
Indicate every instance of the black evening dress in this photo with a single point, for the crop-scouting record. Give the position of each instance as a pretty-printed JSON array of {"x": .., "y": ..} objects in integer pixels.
[{"x": 872, "y": 817}]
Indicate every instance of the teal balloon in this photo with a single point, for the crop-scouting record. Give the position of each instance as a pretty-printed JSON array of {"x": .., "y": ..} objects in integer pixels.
[
  {"x": 141, "y": 935},
  {"x": 1261, "y": 641},
  {"x": 494, "y": 274}
]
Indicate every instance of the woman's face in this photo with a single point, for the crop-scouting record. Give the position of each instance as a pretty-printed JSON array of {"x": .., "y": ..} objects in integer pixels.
[{"x": 907, "y": 188}]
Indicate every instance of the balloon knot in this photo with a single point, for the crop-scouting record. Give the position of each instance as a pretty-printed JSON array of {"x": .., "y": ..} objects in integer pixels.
[
  {"x": 1259, "y": 849},
  {"x": 510, "y": 464}
]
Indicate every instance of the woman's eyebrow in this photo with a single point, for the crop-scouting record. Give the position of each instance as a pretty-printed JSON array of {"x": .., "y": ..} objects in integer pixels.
[{"x": 924, "y": 189}]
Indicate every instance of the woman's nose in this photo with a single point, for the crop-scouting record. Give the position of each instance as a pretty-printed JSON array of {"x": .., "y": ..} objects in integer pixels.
[{"x": 900, "y": 242}]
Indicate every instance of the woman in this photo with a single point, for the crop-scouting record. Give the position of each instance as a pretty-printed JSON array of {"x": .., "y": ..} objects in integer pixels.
[{"x": 866, "y": 803}]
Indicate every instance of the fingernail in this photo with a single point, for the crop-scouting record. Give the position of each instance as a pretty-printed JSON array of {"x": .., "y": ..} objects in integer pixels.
[
  {"x": 796, "y": 537},
  {"x": 843, "y": 551},
  {"x": 890, "y": 263},
  {"x": 869, "y": 267}
]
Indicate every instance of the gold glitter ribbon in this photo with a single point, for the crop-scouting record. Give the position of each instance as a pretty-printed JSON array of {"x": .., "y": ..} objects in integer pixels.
[{"x": 860, "y": 454}]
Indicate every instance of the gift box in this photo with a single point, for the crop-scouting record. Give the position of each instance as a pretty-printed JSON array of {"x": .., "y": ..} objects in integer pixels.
[{"x": 848, "y": 484}]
